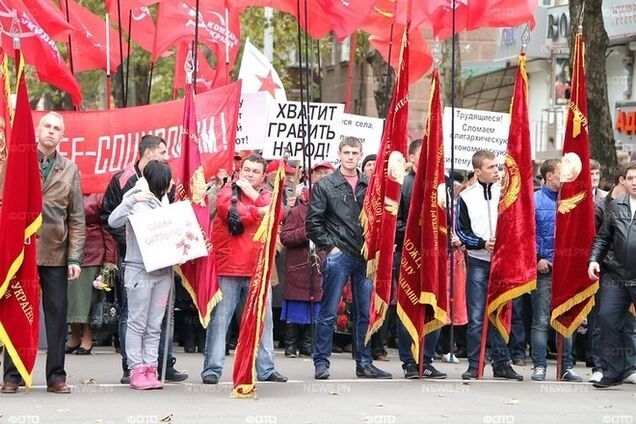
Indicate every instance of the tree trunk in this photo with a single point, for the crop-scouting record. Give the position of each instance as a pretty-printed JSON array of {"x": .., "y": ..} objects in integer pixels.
[
  {"x": 446, "y": 72},
  {"x": 384, "y": 78},
  {"x": 601, "y": 131}
]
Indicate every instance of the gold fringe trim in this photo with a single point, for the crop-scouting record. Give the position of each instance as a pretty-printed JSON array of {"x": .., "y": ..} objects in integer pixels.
[
  {"x": 569, "y": 304},
  {"x": 214, "y": 300},
  {"x": 495, "y": 308},
  {"x": 440, "y": 316},
  {"x": 17, "y": 361},
  {"x": 410, "y": 327},
  {"x": 31, "y": 229},
  {"x": 244, "y": 391}
]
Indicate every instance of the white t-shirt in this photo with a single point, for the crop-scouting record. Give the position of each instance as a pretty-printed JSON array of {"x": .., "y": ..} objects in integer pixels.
[{"x": 632, "y": 205}]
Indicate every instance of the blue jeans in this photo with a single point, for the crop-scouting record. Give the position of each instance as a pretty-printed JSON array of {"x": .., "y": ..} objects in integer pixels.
[
  {"x": 233, "y": 290},
  {"x": 337, "y": 268},
  {"x": 477, "y": 276},
  {"x": 617, "y": 352},
  {"x": 517, "y": 343},
  {"x": 541, "y": 298},
  {"x": 405, "y": 342}
]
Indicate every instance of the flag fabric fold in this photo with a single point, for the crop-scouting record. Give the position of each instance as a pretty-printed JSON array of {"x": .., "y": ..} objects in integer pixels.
[
  {"x": 422, "y": 301},
  {"x": 253, "y": 319},
  {"x": 20, "y": 219},
  {"x": 514, "y": 263},
  {"x": 52, "y": 19},
  {"x": 379, "y": 210},
  {"x": 346, "y": 16},
  {"x": 199, "y": 275},
  {"x": 206, "y": 75},
  {"x": 572, "y": 290}
]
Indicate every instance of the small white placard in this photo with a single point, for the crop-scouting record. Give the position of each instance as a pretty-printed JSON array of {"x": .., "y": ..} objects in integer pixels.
[{"x": 168, "y": 236}]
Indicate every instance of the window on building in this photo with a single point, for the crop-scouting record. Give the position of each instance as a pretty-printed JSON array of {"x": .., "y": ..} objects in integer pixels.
[{"x": 345, "y": 49}]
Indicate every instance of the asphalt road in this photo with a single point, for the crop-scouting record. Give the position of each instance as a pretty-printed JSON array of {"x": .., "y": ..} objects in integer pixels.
[{"x": 98, "y": 398}]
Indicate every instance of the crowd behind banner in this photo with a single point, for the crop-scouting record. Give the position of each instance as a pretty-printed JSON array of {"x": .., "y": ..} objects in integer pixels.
[{"x": 319, "y": 302}]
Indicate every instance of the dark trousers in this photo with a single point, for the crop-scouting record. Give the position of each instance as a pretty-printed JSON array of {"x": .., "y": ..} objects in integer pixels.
[
  {"x": 54, "y": 285},
  {"x": 614, "y": 309}
]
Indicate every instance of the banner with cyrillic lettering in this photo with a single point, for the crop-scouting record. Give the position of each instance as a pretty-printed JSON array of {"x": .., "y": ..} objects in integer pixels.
[
  {"x": 366, "y": 129},
  {"x": 104, "y": 142},
  {"x": 475, "y": 130},
  {"x": 286, "y": 130}
]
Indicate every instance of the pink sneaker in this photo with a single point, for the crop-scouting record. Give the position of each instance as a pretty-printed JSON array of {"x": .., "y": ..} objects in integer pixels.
[
  {"x": 138, "y": 379},
  {"x": 151, "y": 377}
]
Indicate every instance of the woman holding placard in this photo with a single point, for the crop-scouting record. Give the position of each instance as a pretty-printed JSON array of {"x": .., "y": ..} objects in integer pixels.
[{"x": 147, "y": 292}]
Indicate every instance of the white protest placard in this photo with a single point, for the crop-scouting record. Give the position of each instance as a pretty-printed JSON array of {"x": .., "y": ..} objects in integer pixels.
[
  {"x": 168, "y": 236},
  {"x": 285, "y": 131},
  {"x": 252, "y": 121},
  {"x": 366, "y": 129},
  {"x": 475, "y": 130}
]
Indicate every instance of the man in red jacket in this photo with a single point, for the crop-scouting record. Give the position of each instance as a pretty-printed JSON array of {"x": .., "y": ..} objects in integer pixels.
[{"x": 240, "y": 207}]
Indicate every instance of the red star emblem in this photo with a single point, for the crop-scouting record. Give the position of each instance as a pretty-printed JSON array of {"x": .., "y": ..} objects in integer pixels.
[{"x": 268, "y": 84}]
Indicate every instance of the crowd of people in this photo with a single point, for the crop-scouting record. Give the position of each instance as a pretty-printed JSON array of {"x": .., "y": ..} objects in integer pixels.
[{"x": 321, "y": 268}]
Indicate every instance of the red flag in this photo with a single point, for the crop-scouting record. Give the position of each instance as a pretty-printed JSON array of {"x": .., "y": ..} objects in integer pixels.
[
  {"x": 423, "y": 283},
  {"x": 379, "y": 210},
  {"x": 5, "y": 111},
  {"x": 469, "y": 14},
  {"x": 199, "y": 275},
  {"x": 177, "y": 22},
  {"x": 346, "y": 16},
  {"x": 126, "y": 5},
  {"x": 254, "y": 312},
  {"x": 572, "y": 290},
  {"x": 89, "y": 39},
  {"x": 206, "y": 75},
  {"x": 514, "y": 261},
  {"x": 385, "y": 35},
  {"x": 51, "y": 18},
  {"x": 142, "y": 27},
  {"x": 38, "y": 48},
  {"x": 20, "y": 219},
  {"x": 319, "y": 24}
]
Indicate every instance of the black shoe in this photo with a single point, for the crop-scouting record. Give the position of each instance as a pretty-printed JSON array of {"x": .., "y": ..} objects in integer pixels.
[
  {"x": 71, "y": 349},
  {"x": 210, "y": 379},
  {"x": 410, "y": 371},
  {"x": 606, "y": 382},
  {"x": 290, "y": 352},
  {"x": 371, "y": 371},
  {"x": 125, "y": 378},
  {"x": 174, "y": 375},
  {"x": 506, "y": 371},
  {"x": 470, "y": 374},
  {"x": 432, "y": 373},
  {"x": 305, "y": 353},
  {"x": 83, "y": 351},
  {"x": 276, "y": 377},
  {"x": 321, "y": 372}
]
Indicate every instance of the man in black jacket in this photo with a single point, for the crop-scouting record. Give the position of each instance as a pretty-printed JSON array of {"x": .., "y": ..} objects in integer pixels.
[
  {"x": 150, "y": 148},
  {"x": 333, "y": 224},
  {"x": 618, "y": 290}
]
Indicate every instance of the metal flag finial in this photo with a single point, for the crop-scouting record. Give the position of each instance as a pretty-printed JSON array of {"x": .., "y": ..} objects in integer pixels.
[
  {"x": 437, "y": 52},
  {"x": 525, "y": 39},
  {"x": 189, "y": 66},
  {"x": 581, "y": 15},
  {"x": 15, "y": 31}
]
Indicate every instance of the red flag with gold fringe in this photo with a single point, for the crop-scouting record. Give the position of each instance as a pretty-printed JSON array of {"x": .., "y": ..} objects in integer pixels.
[
  {"x": 514, "y": 261},
  {"x": 379, "y": 211},
  {"x": 422, "y": 303},
  {"x": 5, "y": 111},
  {"x": 20, "y": 219},
  {"x": 572, "y": 290},
  {"x": 254, "y": 312},
  {"x": 199, "y": 275}
]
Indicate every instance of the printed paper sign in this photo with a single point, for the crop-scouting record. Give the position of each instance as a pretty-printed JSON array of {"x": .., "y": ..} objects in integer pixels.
[
  {"x": 252, "y": 120},
  {"x": 168, "y": 236},
  {"x": 367, "y": 130},
  {"x": 475, "y": 130},
  {"x": 286, "y": 130}
]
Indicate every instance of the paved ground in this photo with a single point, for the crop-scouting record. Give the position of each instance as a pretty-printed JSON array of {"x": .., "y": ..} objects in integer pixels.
[{"x": 98, "y": 398}]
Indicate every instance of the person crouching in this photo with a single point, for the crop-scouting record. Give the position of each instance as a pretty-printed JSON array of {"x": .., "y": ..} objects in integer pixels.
[{"x": 147, "y": 291}]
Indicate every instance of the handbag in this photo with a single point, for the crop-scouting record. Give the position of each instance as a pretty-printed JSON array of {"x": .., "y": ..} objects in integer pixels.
[{"x": 104, "y": 315}]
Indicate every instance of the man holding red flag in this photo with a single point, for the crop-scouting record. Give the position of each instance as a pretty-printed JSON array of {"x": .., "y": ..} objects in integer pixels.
[
  {"x": 333, "y": 224},
  {"x": 60, "y": 247},
  {"x": 20, "y": 219},
  {"x": 240, "y": 207}
]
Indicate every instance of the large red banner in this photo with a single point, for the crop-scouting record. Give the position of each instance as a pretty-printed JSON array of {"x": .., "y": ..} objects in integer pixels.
[{"x": 104, "y": 142}]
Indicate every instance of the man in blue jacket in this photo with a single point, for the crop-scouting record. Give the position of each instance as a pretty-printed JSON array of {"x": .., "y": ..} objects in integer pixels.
[{"x": 545, "y": 201}]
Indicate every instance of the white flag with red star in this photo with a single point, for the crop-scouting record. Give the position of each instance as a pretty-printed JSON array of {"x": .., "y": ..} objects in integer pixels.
[{"x": 258, "y": 74}]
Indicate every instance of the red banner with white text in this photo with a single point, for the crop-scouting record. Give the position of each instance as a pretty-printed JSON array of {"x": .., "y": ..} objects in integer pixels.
[{"x": 104, "y": 142}]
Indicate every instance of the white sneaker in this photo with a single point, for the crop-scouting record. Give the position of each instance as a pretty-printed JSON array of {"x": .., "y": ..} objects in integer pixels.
[
  {"x": 450, "y": 358},
  {"x": 630, "y": 379},
  {"x": 597, "y": 375}
]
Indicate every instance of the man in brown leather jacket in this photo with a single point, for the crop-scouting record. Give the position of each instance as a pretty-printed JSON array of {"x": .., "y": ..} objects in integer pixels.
[{"x": 60, "y": 245}]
